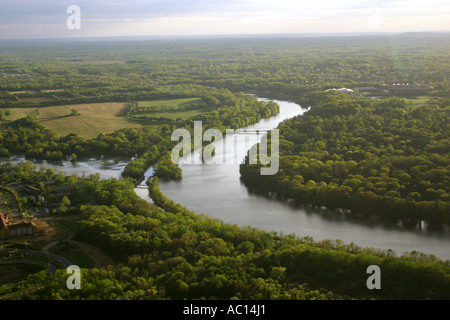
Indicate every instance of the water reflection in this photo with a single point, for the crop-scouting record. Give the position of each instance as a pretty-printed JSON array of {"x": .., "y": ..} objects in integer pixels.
[
  {"x": 216, "y": 190},
  {"x": 105, "y": 167},
  {"x": 342, "y": 215}
]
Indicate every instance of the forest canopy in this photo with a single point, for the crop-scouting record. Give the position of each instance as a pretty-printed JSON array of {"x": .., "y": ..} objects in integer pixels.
[
  {"x": 174, "y": 253},
  {"x": 373, "y": 157},
  {"x": 374, "y": 154}
]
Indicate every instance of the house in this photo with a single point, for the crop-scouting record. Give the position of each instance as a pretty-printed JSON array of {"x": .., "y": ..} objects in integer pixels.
[{"x": 25, "y": 228}]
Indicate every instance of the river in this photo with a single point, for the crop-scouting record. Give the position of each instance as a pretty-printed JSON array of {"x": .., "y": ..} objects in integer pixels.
[{"x": 216, "y": 191}]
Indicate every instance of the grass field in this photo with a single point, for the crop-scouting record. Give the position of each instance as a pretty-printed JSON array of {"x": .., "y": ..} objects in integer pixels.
[
  {"x": 417, "y": 101},
  {"x": 414, "y": 101},
  {"x": 94, "y": 118},
  {"x": 173, "y": 109}
]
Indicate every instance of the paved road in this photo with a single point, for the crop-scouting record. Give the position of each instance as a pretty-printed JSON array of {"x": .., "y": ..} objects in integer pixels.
[
  {"x": 52, "y": 268},
  {"x": 63, "y": 262}
]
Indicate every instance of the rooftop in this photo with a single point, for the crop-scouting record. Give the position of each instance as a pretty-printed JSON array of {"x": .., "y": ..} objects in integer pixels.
[{"x": 3, "y": 224}]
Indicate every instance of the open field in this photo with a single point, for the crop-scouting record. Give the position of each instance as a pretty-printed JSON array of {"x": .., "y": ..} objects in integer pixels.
[
  {"x": 170, "y": 103},
  {"x": 35, "y": 100},
  {"x": 53, "y": 90},
  {"x": 173, "y": 109},
  {"x": 414, "y": 101},
  {"x": 417, "y": 101},
  {"x": 94, "y": 118},
  {"x": 99, "y": 62},
  {"x": 19, "y": 92}
]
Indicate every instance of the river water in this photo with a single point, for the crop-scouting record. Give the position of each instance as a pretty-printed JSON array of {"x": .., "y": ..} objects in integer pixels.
[{"x": 216, "y": 190}]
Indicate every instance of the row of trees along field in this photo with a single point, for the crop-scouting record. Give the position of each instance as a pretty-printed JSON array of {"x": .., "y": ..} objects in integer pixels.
[
  {"x": 281, "y": 68},
  {"x": 178, "y": 254},
  {"x": 374, "y": 157},
  {"x": 227, "y": 110}
]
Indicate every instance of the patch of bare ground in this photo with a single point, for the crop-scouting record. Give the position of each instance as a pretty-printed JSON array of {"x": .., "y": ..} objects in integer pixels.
[{"x": 96, "y": 254}]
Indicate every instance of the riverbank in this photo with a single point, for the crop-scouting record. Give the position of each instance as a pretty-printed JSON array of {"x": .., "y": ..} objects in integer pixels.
[{"x": 216, "y": 191}]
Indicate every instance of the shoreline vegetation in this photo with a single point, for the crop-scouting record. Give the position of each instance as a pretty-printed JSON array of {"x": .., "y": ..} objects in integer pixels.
[
  {"x": 369, "y": 158},
  {"x": 174, "y": 253},
  {"x": 366, "y": 154},
  {"x": 225, "y": 110}
]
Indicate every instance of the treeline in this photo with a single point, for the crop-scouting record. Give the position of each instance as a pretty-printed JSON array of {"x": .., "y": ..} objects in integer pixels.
[
  {"x": 28, "y": 137},
  {"x": 379, "y": 158},
  {"x": 160, "y": 199},
  {"x": 177, "y": 254},
  {"x": 282, "y": 68},
  {"x": 166, "y": 168},
  {"x": 228, "y": 110},
  {"x": 87, "y": 95}
]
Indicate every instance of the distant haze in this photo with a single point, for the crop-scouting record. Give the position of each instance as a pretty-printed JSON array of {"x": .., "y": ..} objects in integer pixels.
[{"x": 31, "y": 19}]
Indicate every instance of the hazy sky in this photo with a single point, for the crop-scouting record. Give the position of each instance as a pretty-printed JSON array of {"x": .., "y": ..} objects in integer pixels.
[{"x": 48, "y": 18}]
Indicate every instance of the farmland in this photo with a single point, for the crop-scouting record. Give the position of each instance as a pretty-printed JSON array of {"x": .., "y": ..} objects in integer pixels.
[
  {"x": 413, "y": 101},
  {"x": 101, "y": 118},
  {"x": 172, "y": 109},
  {"x": 92, "y": 120}
]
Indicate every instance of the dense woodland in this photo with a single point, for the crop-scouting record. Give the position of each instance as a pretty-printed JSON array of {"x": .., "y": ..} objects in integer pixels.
[
  {"x": 378, "y": 158},
  {"x": 174, "y": 253},
  {"x": 374, "y": 156},
  {"x": 278, "y": 67}
]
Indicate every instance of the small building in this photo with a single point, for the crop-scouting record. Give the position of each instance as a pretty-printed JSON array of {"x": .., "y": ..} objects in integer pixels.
[
  {"x": 342, "y": 90},
  {"x": 407, "y": 88},
  {"x": 25, "y": 228}
]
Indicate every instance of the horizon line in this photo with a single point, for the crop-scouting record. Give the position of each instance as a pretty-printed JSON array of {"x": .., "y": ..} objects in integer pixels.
[{"x": 231, "y": 35}]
